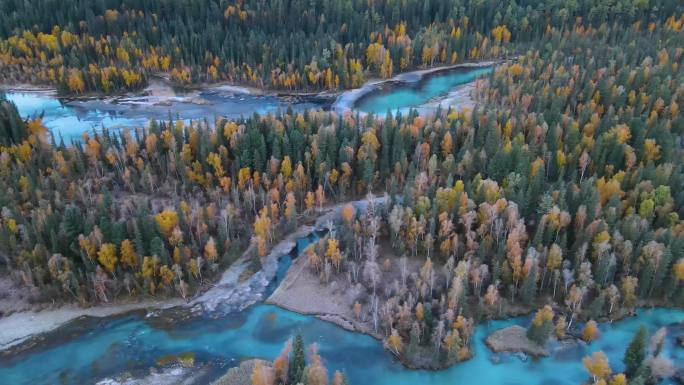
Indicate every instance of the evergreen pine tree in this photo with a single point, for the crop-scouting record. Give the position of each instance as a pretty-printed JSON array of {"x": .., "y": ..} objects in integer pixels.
[
  {"x": 529, "y": 288},
  {"x": 636, "y": 352},
  {"x": 297, "y": 361}
]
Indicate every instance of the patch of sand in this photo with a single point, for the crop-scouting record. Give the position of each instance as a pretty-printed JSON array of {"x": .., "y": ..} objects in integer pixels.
[
  {"x": 13, "y": 297},
  {"x": 514, "y": 339},
  {"x": 20, "y": 326},
  {"x": 240, "y": 375},
  {"x": 227, "y": 294},
  {"x": 301, "y": 291}
]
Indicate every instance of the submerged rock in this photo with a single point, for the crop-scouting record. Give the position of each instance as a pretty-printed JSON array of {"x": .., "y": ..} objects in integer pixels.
[{"x": 514, "y": 339}]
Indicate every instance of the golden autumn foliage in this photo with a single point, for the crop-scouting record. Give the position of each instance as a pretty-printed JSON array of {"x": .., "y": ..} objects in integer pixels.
[
  {"x": 128, "y": 255},
  {"x": 560, "y": 327},
  {"x": 309, "y": 201},
  {"x": 262, "y": 225},
  {"x": 501, "y": 34},
  {"x": 544, "y": 314},
  {"x": 286, "y": 167},
  {"x": 597, "y": 365},
  {"x": 290, "y": 207},
  {"x": 282, "y": 362},
  {"x": 167, "y": 221},
  {"x": 395, "y": 343},
  {"x": 590, "y": 331},
  {"x": 75, "y": 82},
  {"x": 150, "y": 266},
  {"x": 678, "y": 269},
  {"x": 420, "y": 314},
  {"x": 348, "y": 212},
  {"x": 107, "y": 257},
  {"x": 262, "y": 374},
  {"x": 618, "y": 379},
  {"x": 210, "y": 252},
  {"x": 651, "y": 150},
  {"x": 608, "y": 188},
  {"x": 167, "y": 275}
]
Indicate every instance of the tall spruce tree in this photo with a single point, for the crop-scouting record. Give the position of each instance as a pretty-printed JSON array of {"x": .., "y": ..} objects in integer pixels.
[
  {"x": 297, "y": 361},
  {"x": 636, "y": 351}
]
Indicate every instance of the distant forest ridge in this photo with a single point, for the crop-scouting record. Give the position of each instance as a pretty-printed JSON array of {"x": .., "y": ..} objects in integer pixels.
[{"x": 111, "y": 46}]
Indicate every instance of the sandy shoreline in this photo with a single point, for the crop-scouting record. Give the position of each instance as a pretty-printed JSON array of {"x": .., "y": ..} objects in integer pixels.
[
  {"x": 513, "y": 339},
  {"x": 20, "y": 326},
  {"x": 228, "y": 294},
  {"x": 301, "y": 292},
  {"x": 459, "y": 95},
  {"x": 162, "y": 90}
]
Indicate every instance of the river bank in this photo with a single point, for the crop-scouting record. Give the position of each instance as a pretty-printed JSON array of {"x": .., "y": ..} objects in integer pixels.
[
  {"x": 231, "y": 293},
  {"x": 456, "y": 95},
  {"x": 513, "y": 339},
  {"x": 338, "y": 300},
  {"x": 21, "y": 326},
  {"x": 161, "y": 91},
  {"x": 69, "y": 117},
  {"x": 133, "y": 344}
]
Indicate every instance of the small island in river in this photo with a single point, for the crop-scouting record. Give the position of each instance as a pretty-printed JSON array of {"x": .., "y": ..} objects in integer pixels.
[{"x": 514, "y": 339}]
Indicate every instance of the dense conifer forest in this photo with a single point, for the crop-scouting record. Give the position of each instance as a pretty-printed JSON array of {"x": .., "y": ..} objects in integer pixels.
[
  {"x": 116, "y": 45},
  {"x": 561, "y": 192}
]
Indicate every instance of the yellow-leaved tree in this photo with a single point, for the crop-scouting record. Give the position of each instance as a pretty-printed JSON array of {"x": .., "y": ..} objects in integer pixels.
[
  {"x": 597, "y": 365},
  {"x": 128, "y": 255},
  {"x": 107, "y": 257},
  {"x": 395, "y": 343},
  {"x": 167, "y": 220}
]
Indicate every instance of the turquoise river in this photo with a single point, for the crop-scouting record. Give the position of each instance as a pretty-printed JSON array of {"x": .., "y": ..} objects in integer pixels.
[
  {"x": 421, "y": 92},
  {"x": 69, "y": 119},
  {"x": 92, "y": 348}
]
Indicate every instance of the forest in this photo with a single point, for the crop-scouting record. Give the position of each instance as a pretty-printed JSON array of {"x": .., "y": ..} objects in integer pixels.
[
  {"x": 112, "y": 46},
  {"x": 560, "y": 194}
]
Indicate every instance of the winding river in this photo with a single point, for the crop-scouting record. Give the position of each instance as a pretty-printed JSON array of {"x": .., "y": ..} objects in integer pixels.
[
  {"x": 445, "y": 88},
  {"x": 93, "y": 348},
  {"x": 69, "y": 119},
  {"x": 89, "y": 349}
]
